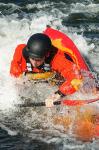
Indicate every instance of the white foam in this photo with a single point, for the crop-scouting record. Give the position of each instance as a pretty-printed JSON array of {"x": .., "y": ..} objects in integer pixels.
[
  {"x": 39, "y": 5},
  {"x": 79, "y": 7},
  {"x": 10, "y": 132},
  {"x": 8, "y": 95}
]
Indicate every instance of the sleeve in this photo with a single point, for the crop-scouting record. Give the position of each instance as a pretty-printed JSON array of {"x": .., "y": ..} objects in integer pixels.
[
  {"x": 15, "y": 68},
  {"x": 73, "y": 79},
  {"x": 70, "y": 72}
]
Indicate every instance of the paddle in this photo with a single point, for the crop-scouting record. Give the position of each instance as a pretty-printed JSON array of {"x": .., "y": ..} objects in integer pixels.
[{"x": 61, "y": 102}]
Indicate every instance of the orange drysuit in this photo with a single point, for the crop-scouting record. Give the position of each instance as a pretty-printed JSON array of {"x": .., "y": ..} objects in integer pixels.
[{"x": 59, "y": 63}]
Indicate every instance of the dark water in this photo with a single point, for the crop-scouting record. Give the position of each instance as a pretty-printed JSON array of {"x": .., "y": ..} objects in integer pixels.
[
  {"x": 22, "y": 143},
  {"x": 75, "y": 20},
  {"x": 81, "y": 17}
]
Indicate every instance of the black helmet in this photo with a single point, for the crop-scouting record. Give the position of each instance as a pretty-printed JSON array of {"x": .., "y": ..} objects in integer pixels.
[{"x": 38, "y": 45}]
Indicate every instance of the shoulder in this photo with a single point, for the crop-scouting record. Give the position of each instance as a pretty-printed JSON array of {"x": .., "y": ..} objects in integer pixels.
[
  {"x": 20, "y": 46},
  {"x": 19, "y": 49}
]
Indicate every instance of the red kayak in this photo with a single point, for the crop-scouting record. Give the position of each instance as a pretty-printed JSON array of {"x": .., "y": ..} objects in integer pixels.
[{"x": 63, "y": 42}]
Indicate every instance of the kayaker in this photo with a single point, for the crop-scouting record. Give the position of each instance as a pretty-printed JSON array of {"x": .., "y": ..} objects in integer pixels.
[{"x": 39, "y": 55}]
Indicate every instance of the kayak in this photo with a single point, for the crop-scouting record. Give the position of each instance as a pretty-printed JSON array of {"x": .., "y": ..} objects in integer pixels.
[{"x": 63, "y": 42}]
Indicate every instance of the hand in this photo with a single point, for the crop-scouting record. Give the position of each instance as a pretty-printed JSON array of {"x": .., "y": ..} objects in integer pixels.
[
  {"x": 76, "y": 83},
  {"x": 52, "y": 98}
]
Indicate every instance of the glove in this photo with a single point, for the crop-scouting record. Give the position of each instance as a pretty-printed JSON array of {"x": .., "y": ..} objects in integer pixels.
[
  {"x": 52, "y": 98},
  {"x": 76, "y": 83}
]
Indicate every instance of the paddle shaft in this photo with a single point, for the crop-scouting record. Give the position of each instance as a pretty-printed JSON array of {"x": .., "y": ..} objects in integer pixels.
[
  {"x": 34, "y": 104},
  {"x": 63, "y": 102}
]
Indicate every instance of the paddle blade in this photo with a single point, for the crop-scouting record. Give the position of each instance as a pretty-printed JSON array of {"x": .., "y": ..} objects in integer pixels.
[
  {"x": 78, "y": 102},
  {"x": 72, "y": 102}
]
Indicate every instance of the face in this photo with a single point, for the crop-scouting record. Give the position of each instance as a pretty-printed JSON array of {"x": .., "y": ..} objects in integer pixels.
[{"x": 37, "y": 62}]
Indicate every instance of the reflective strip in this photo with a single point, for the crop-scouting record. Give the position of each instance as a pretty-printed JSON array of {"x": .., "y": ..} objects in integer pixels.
[{"x": 29, "y": 66}]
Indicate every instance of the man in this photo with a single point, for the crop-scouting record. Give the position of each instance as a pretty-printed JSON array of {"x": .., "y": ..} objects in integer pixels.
[{"x": 39, "y": 55}]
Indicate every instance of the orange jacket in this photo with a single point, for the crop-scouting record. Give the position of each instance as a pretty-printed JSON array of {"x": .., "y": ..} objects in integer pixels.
[{"x": 59, "y": 64}]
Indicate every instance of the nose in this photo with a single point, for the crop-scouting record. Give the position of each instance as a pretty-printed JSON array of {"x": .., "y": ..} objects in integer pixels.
[{"x": 34, "y": 62}]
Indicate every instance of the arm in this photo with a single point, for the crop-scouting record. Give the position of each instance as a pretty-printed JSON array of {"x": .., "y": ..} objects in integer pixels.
[
  {"x": 15, "y": 68},
  {"x": 69, "y": 71},
  {"x": 71, "y": 85}
]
